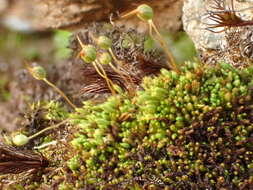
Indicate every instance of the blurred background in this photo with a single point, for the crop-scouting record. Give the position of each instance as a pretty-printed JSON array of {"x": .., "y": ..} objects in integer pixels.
[{"x": 39, "y": 31}]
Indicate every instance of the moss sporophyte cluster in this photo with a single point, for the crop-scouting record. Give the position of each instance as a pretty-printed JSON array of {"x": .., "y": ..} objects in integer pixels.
[{"x": 187, "y": 131}]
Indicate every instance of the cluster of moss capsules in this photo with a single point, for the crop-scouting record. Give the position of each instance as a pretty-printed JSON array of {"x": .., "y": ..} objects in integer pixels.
[{"x": 183, "y": 131}]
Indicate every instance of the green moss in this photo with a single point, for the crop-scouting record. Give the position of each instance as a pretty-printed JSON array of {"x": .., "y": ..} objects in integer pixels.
[
  {"x": 55, "y": 111},
  {"x": 74, "y": 163},
  {"x": 191, "y": 130},
  {"x": 171, "y": 130}
]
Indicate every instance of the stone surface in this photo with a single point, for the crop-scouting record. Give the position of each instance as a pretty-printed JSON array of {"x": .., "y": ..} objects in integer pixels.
[
  {"x": 221, "y": 44},
  {"x": 74, "y": 14}
]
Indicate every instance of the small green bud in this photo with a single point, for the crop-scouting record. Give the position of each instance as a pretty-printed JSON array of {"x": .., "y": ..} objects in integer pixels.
[
  {"x": 89, "y": 53},
  {"x": 104, "y": 42},
  {"x": 20, "y": 140},
  {"x": 38, "y": 73},
  {"x": 145, "y": 12},
  {"x": 105, "y": 58}
]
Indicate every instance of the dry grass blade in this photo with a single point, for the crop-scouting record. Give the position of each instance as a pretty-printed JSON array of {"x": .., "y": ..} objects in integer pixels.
[
  {"x": 224, "y": 16},
  {"x": 14, "y": 161}
]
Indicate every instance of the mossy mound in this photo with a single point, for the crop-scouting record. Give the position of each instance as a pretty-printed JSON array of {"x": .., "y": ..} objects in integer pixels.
[{"x": 187, "y": 131}]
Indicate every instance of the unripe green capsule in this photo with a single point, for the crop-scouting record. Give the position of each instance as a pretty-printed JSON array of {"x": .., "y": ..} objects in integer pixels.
[
  {"x": 145, "y": 12},
  {"x": 104, "y": 42},
  {"x": 89, "y": 53},
  {"x": 105, "y": 58},
  {"x": 20, "y": 140},
  {"x": 38, "y": 73}
]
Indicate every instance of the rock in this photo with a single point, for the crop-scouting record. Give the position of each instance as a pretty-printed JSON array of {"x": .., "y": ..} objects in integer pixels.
[
  {"x": 3, "y": 5},
  {"x": 74, "y": 14}
]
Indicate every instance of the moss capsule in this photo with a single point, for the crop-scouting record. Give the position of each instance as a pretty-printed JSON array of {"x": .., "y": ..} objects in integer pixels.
[
  {"x": 89, "y": 53},
  {"x": 145, "y": 12},
  {"x": 105, "y": 58},
  {"x": 38, "y": 73},
  {"x": 20, "y": 140},
  {"x": 104, "y": 42}
]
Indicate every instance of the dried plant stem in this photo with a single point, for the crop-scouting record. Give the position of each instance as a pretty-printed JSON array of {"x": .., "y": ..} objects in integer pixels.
[
  {"x": 121, "y": 74},
  {"x": 114, "y": 57},
  {"x": 131, "y": 13},
  {"x": 150, "y": 30},
  {"x": 172, "y": 62},
  {"x": 119, "y": 63},
  {"x": 46, "y": 129},
  {"x": 102, "y": 73},
  {"x": 60, "y": 92},
  {"x": 225, "y": 17}
]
